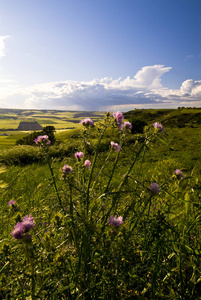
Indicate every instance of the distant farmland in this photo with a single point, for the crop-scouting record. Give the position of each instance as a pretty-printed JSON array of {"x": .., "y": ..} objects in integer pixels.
[
  {"x": 67, "y": 120},
  {"x": 11, "y": 118},
  {"x": 61, "y": 120}
]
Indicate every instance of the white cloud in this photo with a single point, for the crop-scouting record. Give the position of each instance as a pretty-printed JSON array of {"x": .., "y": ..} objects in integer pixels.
[
  {"x": 187, "y": 86},
  {"x": 191, "y": 87},
  {"x": 3, "y": 38},
  {"x": 150, "y": 76},
  {"x": 143, "y": 90},
  {"x": 196, "y": 91}
]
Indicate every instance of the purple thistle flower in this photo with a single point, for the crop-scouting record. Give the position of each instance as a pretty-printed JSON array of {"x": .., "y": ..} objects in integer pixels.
[
  {"x": 158, "y": 126},
  {"x": 155, "y": 188},
  {"x": 87, "y": 122},
  {"x": 18, "y": 231},
  {"x": 113, "y": 221},
  {"x": 11, "y": 202},
  {"x": 22, "y": 227},
  {"x": 115, "y": 146},
  {"x": 28, "y": 223},
  {"x": 119, "y": 118},
  {"x": 42, "y": 139},
  {"x": 126, "y": 125},
  {"x": 79, "y": 155},
  {"x": 178, "y": 173},
  {"x": 87, "y": 164},
  {"x": 66, "y": 170}
]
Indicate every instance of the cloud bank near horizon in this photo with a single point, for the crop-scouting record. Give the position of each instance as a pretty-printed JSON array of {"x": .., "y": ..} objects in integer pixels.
[
  {"x": 144, "y": 90},
  {"x": 3, "y": 38}
]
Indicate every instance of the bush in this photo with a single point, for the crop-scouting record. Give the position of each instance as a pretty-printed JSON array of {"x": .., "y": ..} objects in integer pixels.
[
  {"x": 29, "y": 139},
  {"x": 20, "y": 155},
  {"x": 25, "y": 154},
  {"x": 138, "y": 125}
]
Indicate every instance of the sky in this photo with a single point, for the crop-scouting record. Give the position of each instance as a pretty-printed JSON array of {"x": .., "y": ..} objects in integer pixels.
[{"x": 100, "y": 55}]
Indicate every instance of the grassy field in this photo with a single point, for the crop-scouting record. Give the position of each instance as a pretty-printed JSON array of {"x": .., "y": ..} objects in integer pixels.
[
  {"x": 181, "y": 117},
  {"x": 11, "y": 118},
  {"x": 61, "y": 120},
  {"x": 103, "y": 232}
]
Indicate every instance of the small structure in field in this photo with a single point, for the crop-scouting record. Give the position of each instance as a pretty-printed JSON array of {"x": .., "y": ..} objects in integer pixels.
[
  {"x": 3, "y": 134},
  {"x": 27, "y": 126}
]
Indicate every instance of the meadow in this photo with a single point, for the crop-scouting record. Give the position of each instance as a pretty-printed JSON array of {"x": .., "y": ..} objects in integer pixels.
[
  {"x": 61, "y": 120},
  {"x": 103, "y": 213}
]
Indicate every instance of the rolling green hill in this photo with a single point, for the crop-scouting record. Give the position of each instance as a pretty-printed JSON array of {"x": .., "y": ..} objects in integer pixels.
[{"x": 180, "y": 117}]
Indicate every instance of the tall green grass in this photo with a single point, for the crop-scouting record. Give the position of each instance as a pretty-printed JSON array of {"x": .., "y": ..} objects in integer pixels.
[{"x": 74, "y": 251}]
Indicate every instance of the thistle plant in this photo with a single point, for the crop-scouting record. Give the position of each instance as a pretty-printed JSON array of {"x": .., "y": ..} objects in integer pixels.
[{"x": 115, "y": 231}]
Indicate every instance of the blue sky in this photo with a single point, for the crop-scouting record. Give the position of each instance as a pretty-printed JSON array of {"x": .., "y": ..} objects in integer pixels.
[{"x": 100, "y": 54}]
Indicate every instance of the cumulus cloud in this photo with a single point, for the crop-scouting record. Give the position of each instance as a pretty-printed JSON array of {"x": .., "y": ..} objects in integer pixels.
[
  {"x": 191, "y": 87},
  {"x": 189, "y": 94},
  {"x": 141, "y": 91},
  {"x": 150, "y": 76},
  {"x": 3, "y": 38}
]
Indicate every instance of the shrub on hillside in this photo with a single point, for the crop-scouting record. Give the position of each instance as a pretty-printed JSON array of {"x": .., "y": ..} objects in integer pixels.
[
  {"x": 27, "y": 154},
  {"x": 21, "y": 155},
  {"x": 138, "y": 125},
  {"x": 29, "y": 139}
]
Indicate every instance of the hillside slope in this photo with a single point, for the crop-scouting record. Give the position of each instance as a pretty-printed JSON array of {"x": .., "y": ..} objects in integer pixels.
[{"x": 180, "y": 117}]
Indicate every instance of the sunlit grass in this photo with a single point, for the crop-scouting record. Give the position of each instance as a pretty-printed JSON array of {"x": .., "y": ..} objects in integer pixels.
[{"x": 74, "y": 251}]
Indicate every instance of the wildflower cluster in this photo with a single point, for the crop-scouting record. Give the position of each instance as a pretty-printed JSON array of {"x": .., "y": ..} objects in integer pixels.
[
  {"x": 115, "y": 146},
  {"x": 11, "y": 202},
  {"x": 119, "y": 118},
  {"x": 159, "y": 126},
  {"x": 155, "y": 188},
  {"x": 119, "y": 121},
  {"x": 87, "y": 164},
  {"x": 87, "y": 122},
  {"x": 178, "y": 173},
  {"x": 115, "y": 221},
  {"x": 23, "y": 227},
  {"x": 126, "y": 125},
  {"x": 42, "y": 139},
  {"x": 66, "y": 169},
  {"x": 103, "y": 224},
  {"x": 79, "y": 155}
]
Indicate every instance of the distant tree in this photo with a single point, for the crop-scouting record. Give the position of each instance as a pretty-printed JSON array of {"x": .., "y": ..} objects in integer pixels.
[
  {"x": 29, "y": 139},
  {"x": 49, "y": 130}
]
